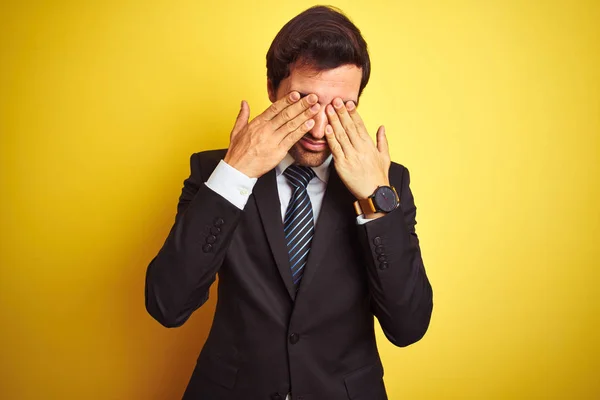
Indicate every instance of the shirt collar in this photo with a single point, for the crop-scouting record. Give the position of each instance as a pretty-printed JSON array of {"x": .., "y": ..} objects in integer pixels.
[{"x": 322, "y": 171}]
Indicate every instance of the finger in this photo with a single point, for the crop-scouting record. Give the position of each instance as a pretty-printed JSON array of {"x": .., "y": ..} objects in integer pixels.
[
  {"x": 358, "y": 122},
  {"x": 292, "y": 138},
  {"x": 346, "y": 121},
  {"x": 334, "y": 145},
  {"x": 382, "y": 142},
  {"x": 297, "y": 122},
  {"x": 242, "y": 118},
  {"x": 280, "y": 105},
  {"x": 338, "y": 130},
  {"x": 289, "y": 113}
]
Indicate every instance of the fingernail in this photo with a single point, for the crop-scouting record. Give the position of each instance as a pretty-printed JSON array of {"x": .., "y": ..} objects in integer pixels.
[
  {"x": 310, "y": 123},
  {"x": 330, "y": 109},
  {"x": 312, "y": 98},
  {"x": 295, "y": 96},
  {"x": 350, "y": 105},
  {"x": 315, "y": 108},
  {"x": 337, "y": 103},
  {"x": 328, "y": 129}
]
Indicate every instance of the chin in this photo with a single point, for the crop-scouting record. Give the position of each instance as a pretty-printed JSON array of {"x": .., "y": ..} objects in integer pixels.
[{"x": 308, "y": 158}]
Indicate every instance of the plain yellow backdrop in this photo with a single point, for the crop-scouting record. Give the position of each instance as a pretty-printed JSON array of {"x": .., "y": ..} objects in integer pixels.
[{"x": 494, "y": 106}]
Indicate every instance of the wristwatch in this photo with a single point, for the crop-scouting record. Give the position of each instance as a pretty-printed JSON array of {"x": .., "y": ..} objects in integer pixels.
[{"x": 385, "y": 199}]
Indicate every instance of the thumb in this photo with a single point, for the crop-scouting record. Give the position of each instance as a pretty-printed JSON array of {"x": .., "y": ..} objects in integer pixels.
[
  {"x": 382, "y": 143},
  {"x": 242, "y": 118}
]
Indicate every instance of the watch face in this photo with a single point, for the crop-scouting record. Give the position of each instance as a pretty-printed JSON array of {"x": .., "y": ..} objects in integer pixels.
[{"x": 385, "y": 199}]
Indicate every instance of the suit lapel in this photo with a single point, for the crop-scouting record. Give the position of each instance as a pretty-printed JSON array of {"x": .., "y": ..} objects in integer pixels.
[
  {"x": 332, "y": 212},
  {"x": 269, "y": 208}
]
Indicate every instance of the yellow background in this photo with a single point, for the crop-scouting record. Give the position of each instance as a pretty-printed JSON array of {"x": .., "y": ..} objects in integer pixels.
[{"x": 494, "y": 106}]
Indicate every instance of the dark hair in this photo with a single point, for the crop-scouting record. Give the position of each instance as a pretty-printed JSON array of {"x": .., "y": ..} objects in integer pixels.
[{"x": 321, "y": 37}]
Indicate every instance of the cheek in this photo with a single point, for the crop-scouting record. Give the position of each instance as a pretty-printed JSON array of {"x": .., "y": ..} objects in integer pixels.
[{"x": 282, "y": 89}]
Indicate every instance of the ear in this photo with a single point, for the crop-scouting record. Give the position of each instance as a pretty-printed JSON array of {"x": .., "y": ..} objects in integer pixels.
[{"x": 271, "y": 92}]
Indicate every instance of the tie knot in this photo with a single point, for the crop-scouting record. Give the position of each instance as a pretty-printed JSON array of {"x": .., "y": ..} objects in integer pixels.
[{"x": 299, "y": 176}]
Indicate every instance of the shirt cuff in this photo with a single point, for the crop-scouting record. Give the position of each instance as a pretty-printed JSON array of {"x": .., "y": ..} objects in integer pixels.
[
  {"x": 360, "y": 220},
  {"x": 231, "y": 184}
]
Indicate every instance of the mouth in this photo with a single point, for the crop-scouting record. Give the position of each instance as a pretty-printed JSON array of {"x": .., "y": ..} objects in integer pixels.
[{"x": 312, "y": 145}]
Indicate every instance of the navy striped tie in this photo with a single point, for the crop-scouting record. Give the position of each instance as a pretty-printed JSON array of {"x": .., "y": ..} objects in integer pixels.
[{"x": 299, "y": 226}]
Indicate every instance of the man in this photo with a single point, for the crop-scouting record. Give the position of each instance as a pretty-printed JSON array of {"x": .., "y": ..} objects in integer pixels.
[{"x": 310, "y": 228}]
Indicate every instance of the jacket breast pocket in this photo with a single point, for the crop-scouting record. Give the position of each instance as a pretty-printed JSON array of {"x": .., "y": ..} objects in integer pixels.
[{"x": 366, "y": 383}]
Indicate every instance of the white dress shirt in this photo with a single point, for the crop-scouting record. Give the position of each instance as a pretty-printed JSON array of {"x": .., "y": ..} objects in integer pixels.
[{"x": 236, "y": 187}]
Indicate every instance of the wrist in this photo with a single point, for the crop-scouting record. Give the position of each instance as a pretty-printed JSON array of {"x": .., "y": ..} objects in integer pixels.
[
  {"x": 368, "y": 193},
  {"x": 238, "y": 166}
]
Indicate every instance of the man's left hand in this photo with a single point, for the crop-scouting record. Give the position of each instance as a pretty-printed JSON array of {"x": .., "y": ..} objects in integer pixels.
[{"x": 361, "y": 164}]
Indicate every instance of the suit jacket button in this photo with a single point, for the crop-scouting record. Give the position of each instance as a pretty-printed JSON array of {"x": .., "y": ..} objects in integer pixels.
[
  {"x": 211, "y": 239},
  {"x": 379, "y": 249},
  {"x": 276, "y": 396},
  {"x": 376, "y": 240},
  {"x": 383, "y": 265},
  {"x": 215, "y": 231},
  {"x": 382, "y": 258},
  {"x": 219, "y": 222},
  {"x": 294, "y": 338},
  {"x": 207, "y": 248}
]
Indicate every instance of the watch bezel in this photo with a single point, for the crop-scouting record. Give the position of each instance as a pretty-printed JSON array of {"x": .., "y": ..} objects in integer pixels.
[{"x": 377, "y": 201}]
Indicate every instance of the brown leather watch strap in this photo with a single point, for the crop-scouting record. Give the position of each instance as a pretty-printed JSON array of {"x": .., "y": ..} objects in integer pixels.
[{"x": 364, "y": 206}]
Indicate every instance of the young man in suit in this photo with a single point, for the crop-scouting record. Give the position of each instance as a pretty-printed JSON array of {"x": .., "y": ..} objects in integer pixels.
[{"x": 311, "y": 229}]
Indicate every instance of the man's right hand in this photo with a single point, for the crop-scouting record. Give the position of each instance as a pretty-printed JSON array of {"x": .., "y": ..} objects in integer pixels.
[{"x": 257, "y": 147}]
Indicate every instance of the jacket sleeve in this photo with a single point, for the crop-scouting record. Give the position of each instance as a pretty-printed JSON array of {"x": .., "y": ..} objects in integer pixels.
[
  {"x": 179, "y": 277},
  {"x": 401, "y": 295}
]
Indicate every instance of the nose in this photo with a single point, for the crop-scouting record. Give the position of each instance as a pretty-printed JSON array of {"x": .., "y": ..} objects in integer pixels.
[{"x": 318, "y": 131}]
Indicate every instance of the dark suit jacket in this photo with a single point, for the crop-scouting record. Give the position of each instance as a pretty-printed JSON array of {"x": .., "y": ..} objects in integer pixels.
[{"x": 265, "y": 338}]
